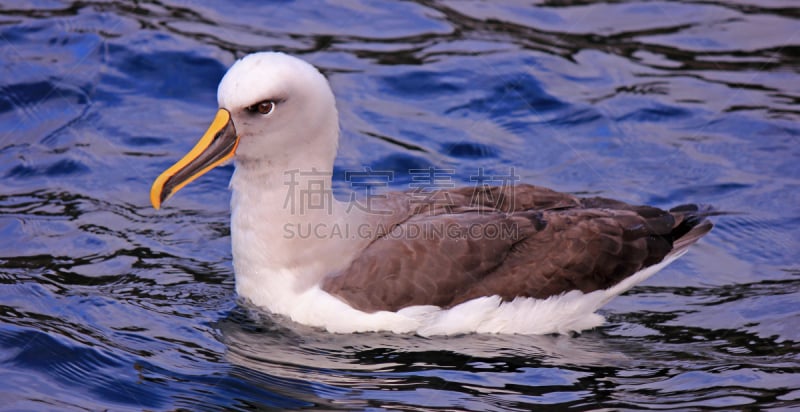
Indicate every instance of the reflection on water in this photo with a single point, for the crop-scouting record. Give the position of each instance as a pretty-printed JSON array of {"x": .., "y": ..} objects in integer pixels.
[
  {"x": 485, "y": 372},
  {"x": 108, "y": 304}
]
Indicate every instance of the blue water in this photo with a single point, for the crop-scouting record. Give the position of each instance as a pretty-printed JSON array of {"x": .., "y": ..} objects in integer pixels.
[{"x": 107, "y": 304}]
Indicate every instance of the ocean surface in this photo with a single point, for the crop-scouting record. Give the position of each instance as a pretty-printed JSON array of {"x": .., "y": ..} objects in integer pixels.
[{"x": 108, "y": 304}]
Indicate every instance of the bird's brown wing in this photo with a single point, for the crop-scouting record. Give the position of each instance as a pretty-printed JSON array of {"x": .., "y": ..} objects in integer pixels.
[{"x": 539, "y": 244}]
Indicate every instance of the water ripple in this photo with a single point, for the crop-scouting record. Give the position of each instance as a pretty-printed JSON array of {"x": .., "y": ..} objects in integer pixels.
[{"x": 110, "y": 305}]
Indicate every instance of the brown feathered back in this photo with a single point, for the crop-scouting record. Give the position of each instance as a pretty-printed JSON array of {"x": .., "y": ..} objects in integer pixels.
[{"x": 516, "y": 241}]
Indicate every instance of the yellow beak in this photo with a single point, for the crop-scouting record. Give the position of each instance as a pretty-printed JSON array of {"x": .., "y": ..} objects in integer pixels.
[{"x": 216, "y": 146}]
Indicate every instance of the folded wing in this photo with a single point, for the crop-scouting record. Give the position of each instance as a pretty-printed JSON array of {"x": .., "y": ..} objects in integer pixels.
[{"x": 518, "y": 241}]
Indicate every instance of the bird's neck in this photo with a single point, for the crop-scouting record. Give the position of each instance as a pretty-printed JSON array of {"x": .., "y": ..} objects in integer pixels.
[{"x": 287, "y": 229}]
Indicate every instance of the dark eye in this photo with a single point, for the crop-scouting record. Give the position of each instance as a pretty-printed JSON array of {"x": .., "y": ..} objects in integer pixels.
[{"x": 265, "y": 107}]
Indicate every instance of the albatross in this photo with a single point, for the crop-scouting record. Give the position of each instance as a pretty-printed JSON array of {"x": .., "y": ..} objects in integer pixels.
[{"x": 506, "y": 259}]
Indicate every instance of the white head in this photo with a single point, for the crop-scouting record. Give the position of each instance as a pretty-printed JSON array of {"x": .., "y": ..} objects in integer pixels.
[
  {"x": 299, "y": 109},
  {"x": 277, "y": 113}
]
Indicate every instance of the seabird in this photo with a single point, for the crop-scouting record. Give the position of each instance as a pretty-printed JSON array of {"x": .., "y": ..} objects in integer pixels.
[{"x": 506, "y": 259}]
